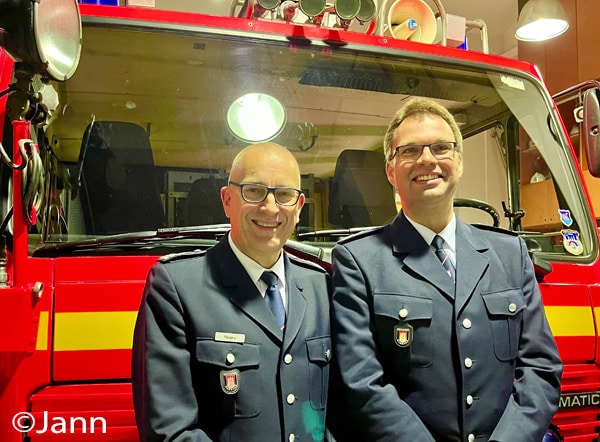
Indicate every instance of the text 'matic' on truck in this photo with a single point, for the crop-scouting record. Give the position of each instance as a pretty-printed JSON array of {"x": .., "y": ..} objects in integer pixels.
[{"x": 127, "y": 136}]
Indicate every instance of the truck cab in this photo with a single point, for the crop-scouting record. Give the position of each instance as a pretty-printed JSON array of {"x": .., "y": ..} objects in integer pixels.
[{"x": 126, "y": 162}]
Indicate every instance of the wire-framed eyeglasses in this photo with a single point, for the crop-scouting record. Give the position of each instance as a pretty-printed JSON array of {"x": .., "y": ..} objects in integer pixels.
[
  {"x": 412, "y": 152},
  {"x": 257, "y": 193}
]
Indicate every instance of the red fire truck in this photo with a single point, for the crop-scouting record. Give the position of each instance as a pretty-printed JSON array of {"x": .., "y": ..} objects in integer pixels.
[{"x": 120, "y": 123}]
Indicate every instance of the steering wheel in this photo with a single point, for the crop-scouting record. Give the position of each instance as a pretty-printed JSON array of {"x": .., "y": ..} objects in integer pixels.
[{"x": 481, "y": 205}]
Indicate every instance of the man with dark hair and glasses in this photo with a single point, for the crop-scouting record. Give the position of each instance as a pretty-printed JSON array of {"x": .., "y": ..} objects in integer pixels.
[
  {"x": 438, "y": 326},
  {"x": 233, "y": 343}
]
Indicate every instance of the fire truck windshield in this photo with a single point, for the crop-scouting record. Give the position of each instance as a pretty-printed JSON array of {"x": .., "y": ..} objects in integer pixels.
[{"x": 145, "y": 132}]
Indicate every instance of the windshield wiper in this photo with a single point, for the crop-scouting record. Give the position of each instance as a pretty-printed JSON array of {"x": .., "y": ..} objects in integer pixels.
[
  {"x": 334, "y": 233},
  {"x": 213, "y": 231}
]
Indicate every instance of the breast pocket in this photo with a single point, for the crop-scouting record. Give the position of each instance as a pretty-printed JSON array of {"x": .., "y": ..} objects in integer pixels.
[
  {"x": 319, "y": 356},
  {"x": 231, "y": 370},
  {"x": 505, "y": 311},
  {"x": 404, "y": 327}
]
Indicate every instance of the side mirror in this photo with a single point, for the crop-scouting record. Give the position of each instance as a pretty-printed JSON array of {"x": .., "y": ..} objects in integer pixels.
[
  {"x": 591, "y": 130},
  {"x": 42, "y": 37}
]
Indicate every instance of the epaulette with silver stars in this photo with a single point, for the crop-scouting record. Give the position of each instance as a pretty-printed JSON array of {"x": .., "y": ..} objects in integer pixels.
[{"x": 181, "y": 255}]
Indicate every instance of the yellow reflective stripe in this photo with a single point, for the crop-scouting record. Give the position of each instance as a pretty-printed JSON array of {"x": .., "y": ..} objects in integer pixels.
[
  {"x": 571, "y": 321},
  {"x": 42, "y": 335},
  {"x": 93, "y": 331},
  {"x": 114, "y": 330}
]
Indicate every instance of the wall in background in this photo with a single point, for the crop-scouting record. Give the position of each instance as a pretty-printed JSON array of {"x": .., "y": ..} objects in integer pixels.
[{"x": 573, "y": 56}]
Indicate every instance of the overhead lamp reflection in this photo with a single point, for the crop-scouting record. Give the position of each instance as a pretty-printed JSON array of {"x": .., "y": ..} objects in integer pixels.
[{"x": 256, "y": 117}]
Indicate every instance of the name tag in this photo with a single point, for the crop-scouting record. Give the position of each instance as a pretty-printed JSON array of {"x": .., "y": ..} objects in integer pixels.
[{"x": 230, "y": 337}]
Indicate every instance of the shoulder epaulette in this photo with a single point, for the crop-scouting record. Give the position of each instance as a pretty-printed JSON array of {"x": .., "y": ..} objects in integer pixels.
[
  {"x": 495, "y": 229},
  {"x": 181, "y": 255},
  {"x": 306, "y": 263},
  {"x": 362, "y": 234}
]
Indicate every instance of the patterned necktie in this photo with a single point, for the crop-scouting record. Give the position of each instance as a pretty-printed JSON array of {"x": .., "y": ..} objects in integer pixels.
[
  {"x": 273, "y": 297},
  {"x": 438, "y": 244}
]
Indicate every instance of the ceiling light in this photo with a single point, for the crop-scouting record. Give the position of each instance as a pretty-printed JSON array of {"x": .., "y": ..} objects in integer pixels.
[{"x": 541, "y": 20}]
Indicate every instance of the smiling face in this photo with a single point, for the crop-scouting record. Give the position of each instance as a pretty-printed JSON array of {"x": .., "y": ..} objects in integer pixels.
[
  {"x": 426, "y": 185},
  {"x": 260, "y": 230}
]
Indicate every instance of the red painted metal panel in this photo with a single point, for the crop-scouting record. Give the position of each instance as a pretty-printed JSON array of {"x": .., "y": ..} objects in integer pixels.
[
  {"x": 25, "y": 324},
  {"x": 19, "y": 318},
  {"x": 103, "y": 268},
  {"x": 105, "y": 296},
  {"x": 577, "y": 341},
  {"x": 565, "y": 294},
  {"x": 87, "y": 413},
  {"x": 573, "y": 348},
  {"x": 107, "y": 291},
  {"x": 92, "y": 365},
  {"x": 595, "y": 296},
  {"x": 579, "y": 424}
]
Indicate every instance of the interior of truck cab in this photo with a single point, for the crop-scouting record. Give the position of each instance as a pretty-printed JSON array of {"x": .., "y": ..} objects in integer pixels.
[{"x": 142, "y": 139}]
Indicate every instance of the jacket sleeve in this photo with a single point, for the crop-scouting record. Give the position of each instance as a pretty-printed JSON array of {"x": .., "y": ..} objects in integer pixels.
[
  {"x": 538, "y": 369},
  {"x": 374, "y": 404},
  {"x": 165, "y": 403}
]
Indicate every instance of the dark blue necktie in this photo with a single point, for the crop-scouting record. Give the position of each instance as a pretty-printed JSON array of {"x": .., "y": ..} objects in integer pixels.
[
  {"x": 438, "y": 244},
  {"x": 273, "y": 297}
]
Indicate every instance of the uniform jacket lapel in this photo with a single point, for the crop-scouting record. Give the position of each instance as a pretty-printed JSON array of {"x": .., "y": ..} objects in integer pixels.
[
  {"x": 417, "y": 256},
  {"x": 471, "y": 262},
  {"x": 296, "y": 305},
  {"x": 242, "y": 291}
]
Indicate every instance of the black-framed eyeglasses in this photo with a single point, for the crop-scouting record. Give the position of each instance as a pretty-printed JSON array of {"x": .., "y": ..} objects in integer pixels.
[
  {"x": 257, "y": 193},
  {"x": 412, "y": 152}
]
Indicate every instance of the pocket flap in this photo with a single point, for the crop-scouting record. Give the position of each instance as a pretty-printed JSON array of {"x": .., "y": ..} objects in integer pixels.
[
  {"x": 319, "y": 349},
  {"x": 402, "y": 307},
  {"x": 504, "y": 303},
  {"x": 227, "y": 354}
]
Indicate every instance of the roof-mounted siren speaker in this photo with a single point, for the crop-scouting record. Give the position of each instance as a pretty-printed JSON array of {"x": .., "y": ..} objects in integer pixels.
[{"x": 412, "y": 20}]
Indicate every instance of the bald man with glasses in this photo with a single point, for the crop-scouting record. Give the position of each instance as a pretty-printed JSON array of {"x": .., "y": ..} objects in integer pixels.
[{"x": 233, "y": 343}]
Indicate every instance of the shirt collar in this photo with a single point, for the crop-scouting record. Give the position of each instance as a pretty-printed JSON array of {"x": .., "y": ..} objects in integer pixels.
[
  {"x": 449, "y": 233},
  {"x": 254, "y": 269}
]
